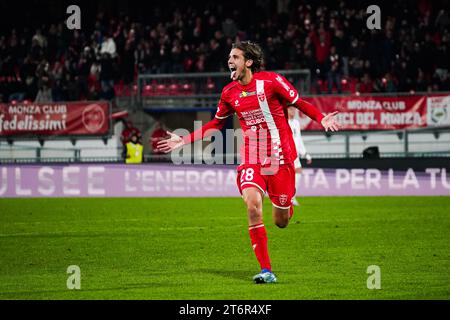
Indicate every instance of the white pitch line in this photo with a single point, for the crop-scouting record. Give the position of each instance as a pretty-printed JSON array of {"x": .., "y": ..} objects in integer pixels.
[
  {"x": 67, "y": 221},
  {"x": 69, "y": 233},
  {"x": 197, "y": 227}
]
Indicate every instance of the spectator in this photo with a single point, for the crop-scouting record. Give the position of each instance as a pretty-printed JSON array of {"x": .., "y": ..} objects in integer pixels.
[
  {"x": 321, "y": 42},
  {"x": 83, "y": 70},
  {"x": 108, "y": 46},
  {"x": 405, "y": 77},
  {"x": 229, "y": 28},
  {"x": 418, "y": 37},
  {"x": 158, "y": 134},
  {"x": 442, "y": 20},
  {"x": 388, "y": 84},
  {"x": 107, "y": 76},
  {"x": 366, "y": 85},
  {"x": 44, "y": 94},
  {"x": 39, "y": 39},
  {"x": 334, "y": 71},
  {"x": 340, "y": 42},
  {"x": 128, "y": 131},
  {"x": 421, "y": 83},
  {"x": 133, "y": 151}
]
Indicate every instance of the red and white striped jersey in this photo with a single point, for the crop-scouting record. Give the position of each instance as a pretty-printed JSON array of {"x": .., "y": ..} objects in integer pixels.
[{"x": 261, "y": 107}]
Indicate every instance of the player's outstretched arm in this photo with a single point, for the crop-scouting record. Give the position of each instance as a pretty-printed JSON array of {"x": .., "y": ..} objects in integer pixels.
[
  {"x": 175, "y": 141},
  {"x": 287, "y": 91},
  {"x": 329, "y": 122},
  {"x": 170, "y": 144}
]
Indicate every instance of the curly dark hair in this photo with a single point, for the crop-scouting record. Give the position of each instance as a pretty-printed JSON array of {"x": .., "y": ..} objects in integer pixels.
[{"x": 252, "y": 51}]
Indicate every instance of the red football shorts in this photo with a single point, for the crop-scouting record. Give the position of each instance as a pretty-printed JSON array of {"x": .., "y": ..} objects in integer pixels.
[{"x": 279, "y": 186}]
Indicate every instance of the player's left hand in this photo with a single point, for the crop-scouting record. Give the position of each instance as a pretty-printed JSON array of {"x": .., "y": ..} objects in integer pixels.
[{"x": 329, "y": 122}]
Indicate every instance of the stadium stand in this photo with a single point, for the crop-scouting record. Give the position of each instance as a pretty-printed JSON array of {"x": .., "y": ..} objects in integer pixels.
[
  {"x": 41, "y": 60},
  {"x": 410, "y": 53}
]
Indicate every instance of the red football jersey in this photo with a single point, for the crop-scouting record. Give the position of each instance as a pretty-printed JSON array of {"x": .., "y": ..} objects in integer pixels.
[{"x": 261, "y": 109}]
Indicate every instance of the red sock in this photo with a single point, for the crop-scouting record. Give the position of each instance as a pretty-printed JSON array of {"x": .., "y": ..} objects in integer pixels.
[{"x": 258, "y": 237}]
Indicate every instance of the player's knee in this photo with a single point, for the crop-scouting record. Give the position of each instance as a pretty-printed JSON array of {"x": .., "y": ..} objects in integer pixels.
[
  {"x": 281, "y": 222},
  {"x": 254, "y": 208}
]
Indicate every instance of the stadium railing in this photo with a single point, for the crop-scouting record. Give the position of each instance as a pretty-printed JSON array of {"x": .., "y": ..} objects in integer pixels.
[
  {"x": 417, "y": 142},
  {"x": 392, "y": 144},
  {"x": 31, "y": 154}
]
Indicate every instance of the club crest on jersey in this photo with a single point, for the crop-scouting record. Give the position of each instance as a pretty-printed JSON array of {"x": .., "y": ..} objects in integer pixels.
[
  {"x": 283, "y": 199},
  {"x": 261, "y": 96}
]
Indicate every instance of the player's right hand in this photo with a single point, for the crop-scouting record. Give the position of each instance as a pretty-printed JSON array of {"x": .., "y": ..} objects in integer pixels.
[{"x": 172, "y": 143}]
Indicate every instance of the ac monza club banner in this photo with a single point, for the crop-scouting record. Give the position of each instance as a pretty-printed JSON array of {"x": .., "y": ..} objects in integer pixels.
[
  {"x": 382, "y": 112},
  {"x": 54, "y": 119},
  {"x": 166, "y": 180}
]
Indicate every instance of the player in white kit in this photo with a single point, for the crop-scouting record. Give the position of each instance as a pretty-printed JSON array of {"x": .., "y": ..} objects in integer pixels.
[{"x": 294, "y": 123}]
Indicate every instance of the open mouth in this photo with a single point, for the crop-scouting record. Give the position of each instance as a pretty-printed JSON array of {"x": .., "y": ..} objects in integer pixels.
[{"x": 233, "y": 72}]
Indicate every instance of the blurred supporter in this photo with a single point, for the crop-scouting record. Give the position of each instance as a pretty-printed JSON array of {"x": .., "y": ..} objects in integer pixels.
[
  {"x": 108, "y": 46},
  {"x": 44, "y": 94},
  {"x": 106, "y": 76},
  {"x": 128, "y": 132},
  {"x": 229, "y": 28},
  {"x": 133, "y": 151},
  {"x": 189, "y": 37},
  {"x": 340, "y": 42},
  {"x": 366, "y": 85},
  {"x": 158, "y": 134},
  {"x": 388, "y": 84},
  {"x": 321, "y": 41},
  {"x": 334, "y": 71}
]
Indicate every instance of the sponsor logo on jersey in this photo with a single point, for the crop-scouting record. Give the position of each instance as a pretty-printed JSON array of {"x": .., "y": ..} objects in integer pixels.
[
  {"x": 253, "y": 117},
  {"x": 245, "y": 94}
]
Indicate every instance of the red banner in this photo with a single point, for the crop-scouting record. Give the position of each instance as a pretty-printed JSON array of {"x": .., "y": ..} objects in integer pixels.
[
  {"x": 382, "y": 112},
  {"x": 55, "y": 119}
]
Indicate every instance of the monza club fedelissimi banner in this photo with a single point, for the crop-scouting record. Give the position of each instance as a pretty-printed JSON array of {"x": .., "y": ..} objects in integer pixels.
[
  {"x": 383, "y": 112},
  {"x": 54, "y": 119}
]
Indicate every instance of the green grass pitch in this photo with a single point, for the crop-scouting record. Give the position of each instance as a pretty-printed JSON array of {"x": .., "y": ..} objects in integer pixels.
[{"x": 182, "y": 248}]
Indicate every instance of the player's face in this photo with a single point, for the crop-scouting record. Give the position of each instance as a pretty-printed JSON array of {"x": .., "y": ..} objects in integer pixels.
[{"x": 237, "y": 64}]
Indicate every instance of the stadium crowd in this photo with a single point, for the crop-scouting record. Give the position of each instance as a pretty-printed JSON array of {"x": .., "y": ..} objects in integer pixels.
[{"x": 409, "y": 53}]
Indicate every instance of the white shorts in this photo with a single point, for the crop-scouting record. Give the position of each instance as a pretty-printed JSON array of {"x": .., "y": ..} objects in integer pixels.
[{"x": 297, "y": 163}]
